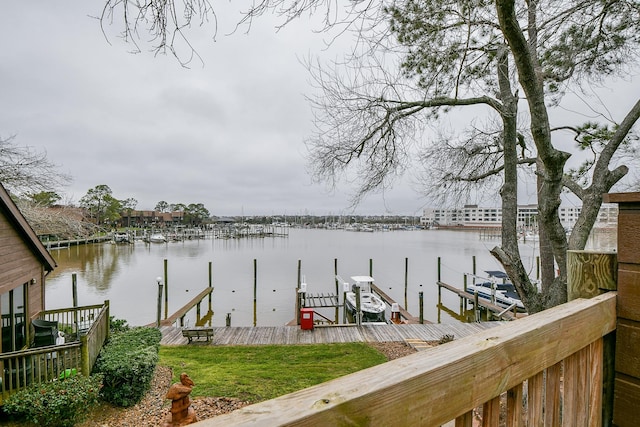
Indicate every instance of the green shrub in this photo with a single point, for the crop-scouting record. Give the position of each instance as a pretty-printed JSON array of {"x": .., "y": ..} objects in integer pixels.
[
  {"x": 57, "y": 403},
  {"x": 118, "y": 325},
  {"x": 127, "y": 364}
]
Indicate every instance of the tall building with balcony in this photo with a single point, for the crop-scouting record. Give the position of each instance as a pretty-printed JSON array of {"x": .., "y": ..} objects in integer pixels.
[{"x": 475, "y": 216}]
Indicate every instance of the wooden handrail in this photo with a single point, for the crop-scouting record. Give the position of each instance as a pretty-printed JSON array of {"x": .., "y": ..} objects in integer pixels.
[
  {"x": 318, "y": 314},
  {"x": 185, "y": 309},
  {"x": 438, "y": 385}
]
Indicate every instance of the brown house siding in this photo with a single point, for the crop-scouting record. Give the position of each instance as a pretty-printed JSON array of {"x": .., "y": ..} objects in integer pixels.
[
  {"x": 23, "y": 258},
  {"x": 18, "y": 265},
  {"x": 626, "y": 411}
]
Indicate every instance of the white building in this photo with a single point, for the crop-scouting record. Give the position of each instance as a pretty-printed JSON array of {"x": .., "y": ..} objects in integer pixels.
[{"x": 474, "y": 216}]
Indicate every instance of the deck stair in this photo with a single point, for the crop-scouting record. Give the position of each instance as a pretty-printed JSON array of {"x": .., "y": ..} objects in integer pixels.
[{"x": 418, "y": 343}]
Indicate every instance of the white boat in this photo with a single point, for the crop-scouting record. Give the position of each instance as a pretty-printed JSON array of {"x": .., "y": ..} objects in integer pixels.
[
  {"x": 496, "y": 289},
  {"x": 371, "y": 305},
  {"x": 121, "y": 238},
  {"x": 157, "y": 238}
]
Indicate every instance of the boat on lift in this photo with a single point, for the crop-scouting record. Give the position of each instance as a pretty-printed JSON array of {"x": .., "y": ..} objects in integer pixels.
[
  {"x": 497, "y": 289},
  {"x": 371, "y": 305}
]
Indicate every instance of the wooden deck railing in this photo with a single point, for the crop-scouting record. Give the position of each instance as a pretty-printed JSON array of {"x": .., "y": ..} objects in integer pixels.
[
  {"x": 537, "y": 369},
  {"x": 86, "y": 329},
  {"x": 74, "y": 321}
]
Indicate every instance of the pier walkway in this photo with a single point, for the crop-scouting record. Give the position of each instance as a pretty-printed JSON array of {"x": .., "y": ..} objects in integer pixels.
[{"x": 288, "y": 335}]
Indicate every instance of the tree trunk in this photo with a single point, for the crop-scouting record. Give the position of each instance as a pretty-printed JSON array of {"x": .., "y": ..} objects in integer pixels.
[
  {"x": 509, "y": 253},
  {"x": 553, "y": 160}
]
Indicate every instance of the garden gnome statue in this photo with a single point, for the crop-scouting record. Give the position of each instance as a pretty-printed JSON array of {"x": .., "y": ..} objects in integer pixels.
[{"x": 181, "y": 411}]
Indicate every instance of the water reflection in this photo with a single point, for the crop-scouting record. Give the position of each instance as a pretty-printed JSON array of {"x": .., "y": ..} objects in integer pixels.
[
  {"x": 125, "y": 274},
  {"x": 96, "y": 265}
]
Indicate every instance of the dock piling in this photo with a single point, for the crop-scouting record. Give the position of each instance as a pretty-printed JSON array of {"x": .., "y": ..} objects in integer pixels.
[
  {"x": 159, "y": 281},
  {"x": 406, "y": 280},
  {"x": 166, "y": 289},
  {"x": 210, "y": 284},
  {"x": 255, "y": 292},
  {"x": 335, "y": 275},
  {"x": 358, "y": 307}
]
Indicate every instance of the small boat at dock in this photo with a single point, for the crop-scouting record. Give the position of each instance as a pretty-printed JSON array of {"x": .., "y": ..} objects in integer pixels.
[
  {"x": 372, "y": 307},
  {"x": 122, "y": 238},
  {"x": 157, "y": 238},
  {"x": 498, "y": 291}
]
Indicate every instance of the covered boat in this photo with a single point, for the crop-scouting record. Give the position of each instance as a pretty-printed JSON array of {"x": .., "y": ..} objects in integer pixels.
[{"x": 505, "y": 294}]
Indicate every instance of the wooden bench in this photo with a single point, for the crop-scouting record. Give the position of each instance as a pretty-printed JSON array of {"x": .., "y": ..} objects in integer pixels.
[{"x": 191, "y": 333}]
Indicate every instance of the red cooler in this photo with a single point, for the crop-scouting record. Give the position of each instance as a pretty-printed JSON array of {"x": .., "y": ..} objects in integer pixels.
[{"x": 306, "y": 318}]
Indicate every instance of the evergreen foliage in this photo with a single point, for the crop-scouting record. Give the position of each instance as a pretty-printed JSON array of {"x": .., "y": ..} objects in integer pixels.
[
  {"x": 57, "y": 403},
  {"x": 127, "y": 363}
]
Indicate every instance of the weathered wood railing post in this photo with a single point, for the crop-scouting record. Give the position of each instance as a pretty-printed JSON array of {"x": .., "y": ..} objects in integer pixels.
[
  {"x": 85, "y": 361},
  {"x": 108, "y": 314},
  {"x": 626, "y": 395},
  {"x": 590, "y": 274},
  {"x": 74, "y": 286}
]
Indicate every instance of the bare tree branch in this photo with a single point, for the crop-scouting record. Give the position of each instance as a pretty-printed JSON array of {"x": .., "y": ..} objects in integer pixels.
[{"x": 26, "y": 171}]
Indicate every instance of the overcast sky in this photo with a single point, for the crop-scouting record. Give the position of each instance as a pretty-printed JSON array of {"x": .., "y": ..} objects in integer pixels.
[{"x": 228, "y": 134}]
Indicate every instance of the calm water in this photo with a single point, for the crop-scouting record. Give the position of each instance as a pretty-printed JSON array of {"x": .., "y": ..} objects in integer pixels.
[{"x": 126, "y": 274}]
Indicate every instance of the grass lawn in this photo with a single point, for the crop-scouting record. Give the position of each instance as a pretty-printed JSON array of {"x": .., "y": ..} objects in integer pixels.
[{"x": 256, "y": 373}]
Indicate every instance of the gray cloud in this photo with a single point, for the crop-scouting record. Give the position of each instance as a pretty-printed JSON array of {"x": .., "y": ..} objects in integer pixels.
[{"x": 229, "y": 134}]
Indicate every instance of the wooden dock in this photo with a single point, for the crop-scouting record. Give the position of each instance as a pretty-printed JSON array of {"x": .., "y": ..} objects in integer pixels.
[
  {"x": 291, "y": 335},
  {"x": 56, "y": 244}
]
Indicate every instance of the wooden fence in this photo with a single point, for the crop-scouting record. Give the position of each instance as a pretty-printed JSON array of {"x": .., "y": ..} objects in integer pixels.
[
  {"x": 537, "y": 370},
  {"x": 86, "y": 329}
]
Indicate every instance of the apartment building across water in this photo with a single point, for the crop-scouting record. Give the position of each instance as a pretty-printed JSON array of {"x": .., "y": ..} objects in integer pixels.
[{"x": 475, "y": 216}]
